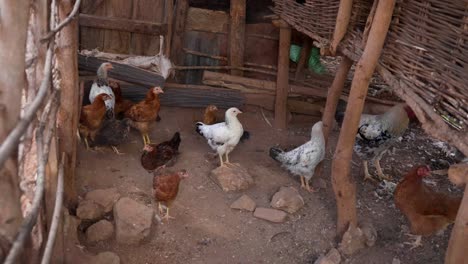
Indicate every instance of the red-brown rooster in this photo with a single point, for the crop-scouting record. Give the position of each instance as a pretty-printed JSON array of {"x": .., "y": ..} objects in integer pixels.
[
  {"x": 166, "y": 187},
  {"x": 92, "y": 116},
  {"x": 121, "y": 104},
  {"x": 427, "y": 210},
  {"x": 377, "y": 133},
  {"x": 155, "y": 157}
]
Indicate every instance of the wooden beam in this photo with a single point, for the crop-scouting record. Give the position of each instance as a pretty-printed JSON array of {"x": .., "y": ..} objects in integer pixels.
[
  {"x": 14, "y": 16},
  {"x": 177, "y": 55},
  {"x": 341, "y": 25},
  {"x": 333, "y": 96},
  {"x": 237, "y": 35},
  {"x": 122, "y": 24},
  {"x": 169, "y": 22},
  {"x": 458, "y": 243},
  {"x": 282, "y": 79},
  {"x": 91, "y": 7},
  {"x": 67, "y": 45},
  {"x": 344, "y": 187}
]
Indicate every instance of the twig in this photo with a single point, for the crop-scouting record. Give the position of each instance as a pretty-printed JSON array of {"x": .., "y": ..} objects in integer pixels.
[
  {"x": 65, "y": 22},
  {"x": 13, "y": 138},
  {"x": 42, "y": 158},
  {"x": 264, "y": 117},
  {"x": 56, "y": 216}
]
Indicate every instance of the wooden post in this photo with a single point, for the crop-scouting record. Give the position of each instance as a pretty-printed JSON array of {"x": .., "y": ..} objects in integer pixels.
[
  {"x": 458, "y": 243},
  {"x": 305, "y": 51},
  {"x": 333, "y": 96},
  {"x": 177, "y": 54},
  {"x": 282, "y": 79},
  {"x": 169, "y": 21},
  {"x": 14, "y": 23},
  {"x": 341, "y": 26},
  {"x": 67, "y": 45},
  {"x": 345, "y": 189},
  {"x": 237, "y": 35}
]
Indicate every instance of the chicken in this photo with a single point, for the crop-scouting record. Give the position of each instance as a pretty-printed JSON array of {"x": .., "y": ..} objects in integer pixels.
[
  {"x": 144, "y": 112},
  {"x": 92, "y": 116},
  {"x": 113, "y": 132},
  {"x": 166, "y": 187},
  {"x": 159, "y": 156},
  {"x": 121, "y": 104},
  {"x": 101, "y": 85},
  {"x": 377, "y": 133},
  {"x": 209, "y": 117},
  {"x": 302, "y": 160},
  {"x": 223, "y": 137},
  {"x": 428, "y": 211}
]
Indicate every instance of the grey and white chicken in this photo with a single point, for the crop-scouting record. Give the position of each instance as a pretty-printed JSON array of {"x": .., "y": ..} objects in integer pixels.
[
  {"x": 302, "y": 160},
  {"x": 223, "y": 137},
  {"x": 101, "y": 85}
]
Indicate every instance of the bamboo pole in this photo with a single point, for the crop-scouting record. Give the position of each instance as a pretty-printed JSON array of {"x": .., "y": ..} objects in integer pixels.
[
  {"x": 458, "y": 243},
  {"x": 237, "y": 35},
  {"x": 14, "y": 23},
  {"x": 68, "y": 64},
  {"x": 282, "y": 79},
  {"x": 342, "y": 21},
  {"x": 345, "y": 189}
]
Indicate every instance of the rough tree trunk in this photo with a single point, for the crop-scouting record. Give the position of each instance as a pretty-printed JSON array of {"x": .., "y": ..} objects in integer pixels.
[
  {"x": 237, "y": 35},
  {"x": 282, "y": 79}
]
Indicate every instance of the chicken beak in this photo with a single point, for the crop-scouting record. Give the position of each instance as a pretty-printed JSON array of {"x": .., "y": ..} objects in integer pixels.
[{"x": 240, "y": 112}]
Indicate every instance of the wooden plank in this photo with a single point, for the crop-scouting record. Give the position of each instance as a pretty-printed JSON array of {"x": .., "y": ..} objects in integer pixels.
[
  {"x": 181, "y": 9},
  {"x": 170, "y": 22},
  {"x": 237, "y": 35},
  {"x": 343, "y": 185},
  {"x": 117, "y": 41},
  {"x": 123, "y": 24},
  {"x": 199, "y": 19},
  {"x": 92, "y": 38},
  {"x": 14, "y": 22},
  {"x": 148, "y": 11},
  {"x": 89, "y": 7},
  {"x": 122, "y": 72},
  {"x": 282, "y": 79},
  {"x": 67, "y": 43}
]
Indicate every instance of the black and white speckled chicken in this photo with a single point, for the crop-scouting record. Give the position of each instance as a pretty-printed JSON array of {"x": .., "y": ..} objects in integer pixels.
[
  {"x": 302, "y": 160},
  {"x": 377, "y": 133},
  {"x": 112, "y": 132}
]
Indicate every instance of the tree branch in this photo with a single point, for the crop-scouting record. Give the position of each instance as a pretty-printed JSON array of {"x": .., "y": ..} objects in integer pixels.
[{"x": 65, "y": 22}]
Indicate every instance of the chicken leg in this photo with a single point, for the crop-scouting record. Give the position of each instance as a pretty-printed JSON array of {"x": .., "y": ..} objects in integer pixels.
[
  {"x": 379, "y": 170},
  {"x": 148, "y": 141},
  {"x": 116, "y": 150},
  {"x": 416, "y": 241},
  {"x": 86, "y": 143},
  {"x": 305, "y": 185},
  {"x": 167, "y": 216},
  {"x": 221, "y": 164},
  {"x": 367, "y": 176}
]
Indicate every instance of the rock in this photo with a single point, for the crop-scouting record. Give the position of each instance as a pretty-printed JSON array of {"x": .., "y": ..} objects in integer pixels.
[
  {"x": 396, "y": 261},
  {"x": 321, "y": 184},
  {"x": 100, "y": 231},
  {"x": 287, "y": 199},
  {"x": 232, "y": 177},
  {"x": 333, "y": 257},
  {"x": 132, "y": 221},
  {"x": 357, "y": 238},
  {"x": 105, "y": 258},
  {"x": 244, "y": 203},
  {"x": 89, "y": 210},
  {"x": 272, "y": 215},
  {"x": 104, "y": 197}
]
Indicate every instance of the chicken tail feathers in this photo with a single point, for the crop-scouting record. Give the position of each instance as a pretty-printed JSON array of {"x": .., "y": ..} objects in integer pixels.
[
  {"x": 275, "y": 153},
  {"x": 340, "y": 112},
  {"x": 158, "y": 119},
  {"x": 339, "y": 117},
  {"x": 245, "y": 136},
  {"x": 198, "y": 129},
  {"x": 175, "y": 141}
]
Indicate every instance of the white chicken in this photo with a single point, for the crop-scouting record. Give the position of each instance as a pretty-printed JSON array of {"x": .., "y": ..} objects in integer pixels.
[
  {"x": 101, "y": 85},
  {"x": 302, "y": 160},
  {"x": 223, "y": 137}
]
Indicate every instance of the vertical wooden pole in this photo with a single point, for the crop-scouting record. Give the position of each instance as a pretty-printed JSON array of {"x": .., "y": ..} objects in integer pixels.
[
  {"x": 305, "y": 51},
  {"x": 169, "y": 21},
  {"x": 282, "y": 80},
  {"x": 177, "y": 52},
  {"x": 67, "y": 45},
  {"x": 458, "y": 243},
  {"x": 345, "y": 189},
  {"x": 13, "y": 31},
  {"x": 341, "y": 25},
  {"x": 237, "y": 35},
  {"x": 333, "y": 96}
]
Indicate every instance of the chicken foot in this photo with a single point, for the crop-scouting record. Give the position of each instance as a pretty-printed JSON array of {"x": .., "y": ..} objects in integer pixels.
[
  {"x": 165, "y": 215},
  {"x": 416, "y": 241},
  {"x": 305, "y": 185},
  {"x": 367, "y": 176},
  {"x": 116, "y": 150},
  {"x": 379, "y": 171}
]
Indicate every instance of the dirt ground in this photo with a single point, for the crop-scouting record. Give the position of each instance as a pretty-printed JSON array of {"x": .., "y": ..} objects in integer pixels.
[{"x": 206, "y": 230}]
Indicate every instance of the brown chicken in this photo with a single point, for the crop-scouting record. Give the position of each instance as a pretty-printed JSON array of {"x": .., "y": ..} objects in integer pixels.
[
  {"x": 166, "y": 187},
  {"x": 428, "y": 211},
  {"x": 92, "y": 116},
  {"x": 155, "y": 157},
  {"x": 121, "y": 104},
  {"x": 209, "y": 117},
  {"x": 145, "y": 112}
]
